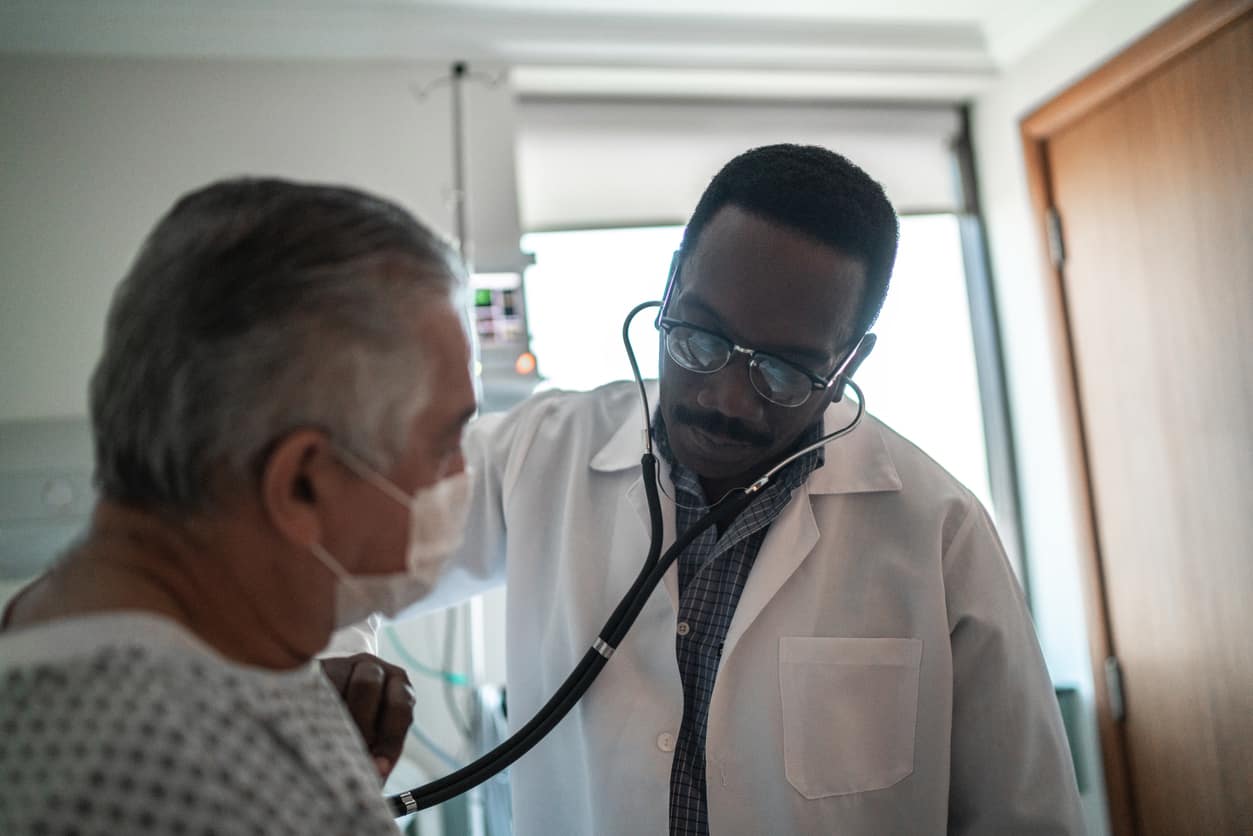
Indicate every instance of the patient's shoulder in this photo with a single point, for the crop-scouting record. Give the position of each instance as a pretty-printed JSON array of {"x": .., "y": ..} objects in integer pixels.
[{"x": 138, "y": 736}]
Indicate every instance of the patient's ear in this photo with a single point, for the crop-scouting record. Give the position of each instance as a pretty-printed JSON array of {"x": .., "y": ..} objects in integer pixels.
[{"x": 299, "y": 480}]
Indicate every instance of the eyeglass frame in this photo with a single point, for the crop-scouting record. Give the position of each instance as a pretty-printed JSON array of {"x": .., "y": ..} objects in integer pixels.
[{"x": 818, "y": 383}]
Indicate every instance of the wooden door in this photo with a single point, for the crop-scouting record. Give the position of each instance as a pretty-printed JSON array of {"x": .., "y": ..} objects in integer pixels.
[{"x": 1151, "y": 196}]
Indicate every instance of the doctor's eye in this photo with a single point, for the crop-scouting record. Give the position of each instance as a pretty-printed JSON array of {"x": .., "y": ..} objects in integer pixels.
[{"x": 695, "y": 350}]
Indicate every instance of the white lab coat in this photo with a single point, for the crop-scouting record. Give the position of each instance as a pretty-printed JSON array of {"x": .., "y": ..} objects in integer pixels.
[{"x": 880, "y": 675}]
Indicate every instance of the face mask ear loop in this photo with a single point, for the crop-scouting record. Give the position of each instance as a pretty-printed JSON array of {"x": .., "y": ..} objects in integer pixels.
[
  {"x": 341, "y": 574},
  {"x": 359, "y": 466}
]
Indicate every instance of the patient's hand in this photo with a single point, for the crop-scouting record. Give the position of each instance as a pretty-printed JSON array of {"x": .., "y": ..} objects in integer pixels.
[{"x": 380, "y": 700}]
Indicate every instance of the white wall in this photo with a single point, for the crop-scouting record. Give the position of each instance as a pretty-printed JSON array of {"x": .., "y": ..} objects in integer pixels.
[
  {"x": 1038, "y": 386},
  {"x": 92, "y": 151}
]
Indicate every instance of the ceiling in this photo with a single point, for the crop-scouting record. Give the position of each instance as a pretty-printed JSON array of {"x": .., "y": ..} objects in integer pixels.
[{"x": 925, "y": 49}]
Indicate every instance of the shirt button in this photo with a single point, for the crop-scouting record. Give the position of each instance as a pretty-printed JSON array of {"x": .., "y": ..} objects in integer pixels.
[
  {"x": 665, "y": 742},
  {"x": 684, "y": 628}
]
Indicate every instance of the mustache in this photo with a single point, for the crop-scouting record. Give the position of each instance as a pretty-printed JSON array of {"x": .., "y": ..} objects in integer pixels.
[{"x": 715, "y": 423}]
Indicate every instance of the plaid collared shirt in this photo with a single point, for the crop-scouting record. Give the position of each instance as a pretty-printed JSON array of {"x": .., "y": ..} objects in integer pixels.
[{"x": 712, "y": 572}]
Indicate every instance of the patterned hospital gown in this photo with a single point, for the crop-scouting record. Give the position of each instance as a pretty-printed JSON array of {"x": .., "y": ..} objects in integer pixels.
[{"x": 125, "y": 723}]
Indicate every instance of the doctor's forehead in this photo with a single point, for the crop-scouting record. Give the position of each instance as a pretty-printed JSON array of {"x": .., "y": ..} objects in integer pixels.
[
  {"x": 736, "y": 241},
  {"x": 755, "y": 275}
]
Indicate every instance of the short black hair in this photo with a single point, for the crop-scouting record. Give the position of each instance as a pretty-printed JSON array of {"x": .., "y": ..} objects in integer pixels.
[{"x": 817, "y": 193}]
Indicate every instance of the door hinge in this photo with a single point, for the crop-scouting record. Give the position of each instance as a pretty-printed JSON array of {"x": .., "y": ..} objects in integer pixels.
[
  {"x": 1113, "y": 689},
  {"x": 1057, "y": 248}
]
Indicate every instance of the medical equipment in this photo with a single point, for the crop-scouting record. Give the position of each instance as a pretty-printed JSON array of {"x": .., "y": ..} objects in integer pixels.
[{"x": 624, "y": 615}]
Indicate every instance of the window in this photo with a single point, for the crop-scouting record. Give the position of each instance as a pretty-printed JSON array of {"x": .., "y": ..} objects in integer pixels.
[{"x": 580, "y": 290}]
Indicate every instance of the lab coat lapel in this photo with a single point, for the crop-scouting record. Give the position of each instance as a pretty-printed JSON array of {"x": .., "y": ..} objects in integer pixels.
[
  {"x": 623, "y": 452},
  {"x": 638, "y": 498},
  {"x": 791, "y": 538},
  {"x": 858, "y": 463}
]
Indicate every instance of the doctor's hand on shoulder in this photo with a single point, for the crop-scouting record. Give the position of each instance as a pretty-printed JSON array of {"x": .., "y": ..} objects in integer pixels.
[{"x": 379, "y": 698}]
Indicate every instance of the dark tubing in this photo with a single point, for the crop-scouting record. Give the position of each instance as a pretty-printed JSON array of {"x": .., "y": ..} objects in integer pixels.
[{"x": 581, "y": 678}]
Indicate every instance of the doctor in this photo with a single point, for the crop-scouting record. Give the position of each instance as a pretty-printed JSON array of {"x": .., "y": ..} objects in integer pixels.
[{"x": 852, "y": 654}]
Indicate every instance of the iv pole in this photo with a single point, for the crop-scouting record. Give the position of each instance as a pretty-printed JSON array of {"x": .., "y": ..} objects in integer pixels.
[
  {"x": 456, "y": 80},
  {"x": 459, "y": 74}
]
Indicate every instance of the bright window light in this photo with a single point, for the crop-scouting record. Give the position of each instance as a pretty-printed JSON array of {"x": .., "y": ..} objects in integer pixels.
[
  {"x": 921, "y": 379},
  {"x": 581, "y": 288}
]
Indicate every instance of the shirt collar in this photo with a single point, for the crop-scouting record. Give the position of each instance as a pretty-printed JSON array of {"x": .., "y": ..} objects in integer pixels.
[
  {"x": 790, "y": 477},
  {"x": 857, "y": 463}
]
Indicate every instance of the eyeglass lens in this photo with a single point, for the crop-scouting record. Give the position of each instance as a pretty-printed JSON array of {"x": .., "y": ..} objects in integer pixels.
[{"x": 702, "y": 352}]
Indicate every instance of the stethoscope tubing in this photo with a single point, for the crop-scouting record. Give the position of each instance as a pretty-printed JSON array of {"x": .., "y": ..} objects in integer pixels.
[
  {"x": 581, "y": 678},
  {"x": 620, "y": 621}
]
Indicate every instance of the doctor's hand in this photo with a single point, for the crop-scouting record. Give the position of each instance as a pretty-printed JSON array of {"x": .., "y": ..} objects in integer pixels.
[{"x": 380, "y": 700}]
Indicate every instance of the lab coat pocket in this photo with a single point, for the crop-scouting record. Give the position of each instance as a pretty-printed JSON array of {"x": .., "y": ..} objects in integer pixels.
[{"x": 850, "y": 707}]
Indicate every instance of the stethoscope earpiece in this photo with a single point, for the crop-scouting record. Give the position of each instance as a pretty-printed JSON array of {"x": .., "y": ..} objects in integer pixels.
[
  {"x": 671, "y": 281},
  {"x": 860, "y": 352}
]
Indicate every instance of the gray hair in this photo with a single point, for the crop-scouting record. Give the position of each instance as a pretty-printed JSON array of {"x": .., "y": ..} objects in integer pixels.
[{"x": 254, "y": 308}]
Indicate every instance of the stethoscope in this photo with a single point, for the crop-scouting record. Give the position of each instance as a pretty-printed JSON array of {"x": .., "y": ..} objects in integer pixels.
[{"x": 624, "y": 615}]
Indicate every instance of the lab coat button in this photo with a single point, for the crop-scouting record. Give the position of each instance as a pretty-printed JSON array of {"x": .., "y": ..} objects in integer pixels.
[
  {"x": 665, "y": 742},
  {"x": 684, "y": 628}
]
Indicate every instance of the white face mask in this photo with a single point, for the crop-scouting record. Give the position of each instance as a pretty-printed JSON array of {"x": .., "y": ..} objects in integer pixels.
[{"x": 437, "y": 518}]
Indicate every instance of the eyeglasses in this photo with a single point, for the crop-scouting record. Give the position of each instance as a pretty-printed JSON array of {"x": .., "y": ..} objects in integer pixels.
[{"x": 777, "y": 380}]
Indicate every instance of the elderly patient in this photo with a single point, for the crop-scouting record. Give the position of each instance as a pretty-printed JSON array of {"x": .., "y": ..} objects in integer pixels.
[{"x": 277, "y": 418}]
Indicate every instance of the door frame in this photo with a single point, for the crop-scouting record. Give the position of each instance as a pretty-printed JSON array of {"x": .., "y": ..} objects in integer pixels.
[{"x": 1186, "y": 28}]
